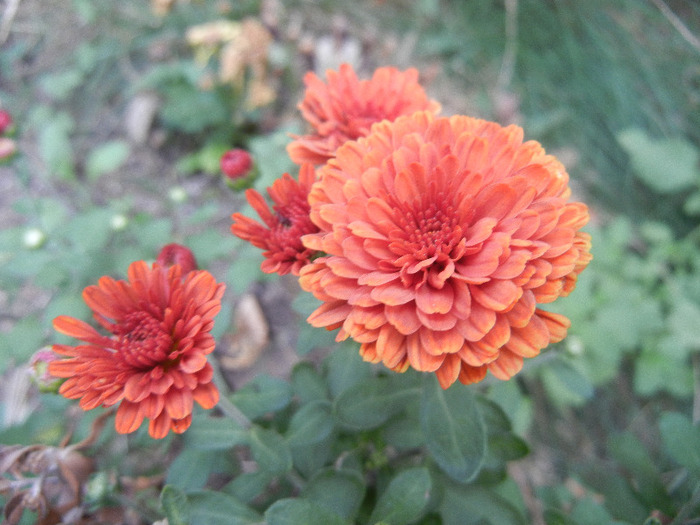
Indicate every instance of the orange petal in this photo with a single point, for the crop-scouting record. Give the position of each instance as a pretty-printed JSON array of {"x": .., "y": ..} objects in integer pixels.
[
  {"x": 443, "y": 342},
  {"x": 506, "y": 366},
  {"x": 449, "y": 371},
  {"x": 480, "y": 321},
  {"x": 419, "y": 358},
  {"x": 178, "y": 403},
  {"x": 529, "y": 340},
  {"x": 469, "y": 375},
  {"x": 403, "y": 317},
  {"x": 128, "y": 418},
  {"x": 434, "y": 301},
  {"x": 207, "y": 395},
  {"x": 497, "y": 295},
  {"x": 391, "y": 345},
  {"x": 557, "y": 325},
  {"x": 158, "y": 428},
  {"x": 180, "y": 425}
]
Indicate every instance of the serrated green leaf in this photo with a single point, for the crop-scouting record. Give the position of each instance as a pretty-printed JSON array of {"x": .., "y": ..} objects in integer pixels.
[
  {"x": 454, "y": 429},
  {"x": 270, "y": 451},
  {"x": 106, "y": 158},
  {"x": 311, "y": 424},
  {"x": 300, "y": 511},
  {"x": 340, "y": 491},
  {"x": 216, "y": 508},
  {"x": 262, "y": 395},
  {"x": 175, "y": 505},
  {"x": 405, "y": 498}
]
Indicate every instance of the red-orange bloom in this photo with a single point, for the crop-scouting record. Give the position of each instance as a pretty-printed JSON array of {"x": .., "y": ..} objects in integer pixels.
[
  {"x": 154, "y": 360},
  {"x": 285, "y": 224},
  {"x": 443, "y": 235},
  {"x": 345, "y": 108}
]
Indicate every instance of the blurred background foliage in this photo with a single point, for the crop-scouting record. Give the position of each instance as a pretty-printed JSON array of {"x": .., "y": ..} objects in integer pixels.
[{"x": 121, "y": 116}]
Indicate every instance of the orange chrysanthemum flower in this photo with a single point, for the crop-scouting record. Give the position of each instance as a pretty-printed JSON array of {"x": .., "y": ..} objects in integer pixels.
[
  {"x": 154, "y": 360},
  {"x": 281, "y": 235},
  {"x": 443, "y": 235},
  {"x": 345, "y": 108}
]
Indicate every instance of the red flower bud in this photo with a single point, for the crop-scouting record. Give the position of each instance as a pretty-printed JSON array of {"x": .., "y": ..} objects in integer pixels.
[
  {"x": 236, "y": 163},
  {"x": 5, "y": 121},
  {"x": 172, "y": 254}
]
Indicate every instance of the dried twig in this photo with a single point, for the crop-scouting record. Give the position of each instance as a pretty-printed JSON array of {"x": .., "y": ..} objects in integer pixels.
[
  {"x": 676, "y": 22},
  {"x": 8, "y": 16}
]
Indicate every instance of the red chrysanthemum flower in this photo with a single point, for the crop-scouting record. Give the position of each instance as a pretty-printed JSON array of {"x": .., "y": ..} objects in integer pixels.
[
  {"x": 345, "y": 108},
  {"x": 285, "y": 224},
  {"x": 154, "y": 360},
  {"x": 443, "y": 235}
]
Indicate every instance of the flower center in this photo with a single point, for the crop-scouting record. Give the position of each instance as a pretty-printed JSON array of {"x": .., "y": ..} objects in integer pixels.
[
  {"x": 431, "y": 230},
  {"x": 142, "y": 341}
]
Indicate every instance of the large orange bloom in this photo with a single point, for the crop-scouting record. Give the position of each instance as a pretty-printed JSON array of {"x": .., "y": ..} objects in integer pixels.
[
  {"x": 443, "y": 235},
  {"x": 154, "y": 360},
  {"x": 285, "y": 224},
  {"x": 345, "y": 108}
]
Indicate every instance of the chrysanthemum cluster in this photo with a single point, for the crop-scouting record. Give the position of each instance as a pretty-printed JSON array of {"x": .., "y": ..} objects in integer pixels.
[{"x": 431, "y": 241}]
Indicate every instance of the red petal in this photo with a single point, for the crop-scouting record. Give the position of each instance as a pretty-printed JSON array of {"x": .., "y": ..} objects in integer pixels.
[{"x": 207, "y": 395}]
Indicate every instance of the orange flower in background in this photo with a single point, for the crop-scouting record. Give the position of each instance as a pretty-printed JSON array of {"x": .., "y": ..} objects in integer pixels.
[
  {"x": 345, "y": 108},
  {"x": 153, "y": 363},
  {"x": 285, "y": 224},
  {"x": 443, "y": 235}
]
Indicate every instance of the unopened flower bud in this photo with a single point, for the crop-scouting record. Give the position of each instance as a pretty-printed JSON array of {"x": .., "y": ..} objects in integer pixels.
[
  {"x": 238, "y": 166},
  {"x": 39, "y": 370},
  {"x": 236, "y": 163},
  {"x": 5, "y": 121},
  {"x": 8, "y": 148},
  {"x": 172, "y": 254}
]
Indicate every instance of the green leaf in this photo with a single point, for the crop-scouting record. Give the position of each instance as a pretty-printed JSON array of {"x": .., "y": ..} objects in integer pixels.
[
  {"x": 472, "y": 504},
  {"x": 454, "y": 429},
  {"x": 340, "y": 491},
  {"x": 214, "y": 433},
  {"x": 90, "y": 231},
  {"x": 307, "y": 383},
  {"x": 631, "y": 454},
  {"x": 270, "y": 451},
  {"x": 249, "y": 485},
  {"x": 665, "y": 165},
  {"x": 311, "y": 424},
  {"x": 106, "y": 158},
  {"x": 191, "y": 110},
  {"x": 262, "y": 395},
  {"x": 371, "y": 402},
  {"x": 682, "y": 440},
  {"x": 345, "y": 368},
  {"x": 55, "y": 147},
  {"x": 300, "y": 511},
  {"x": 217, "y": 508},
  {"x": 175, "y": 505},
  {"x": 405, "y": 498},
  {"x": 191, "y": 469}
]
